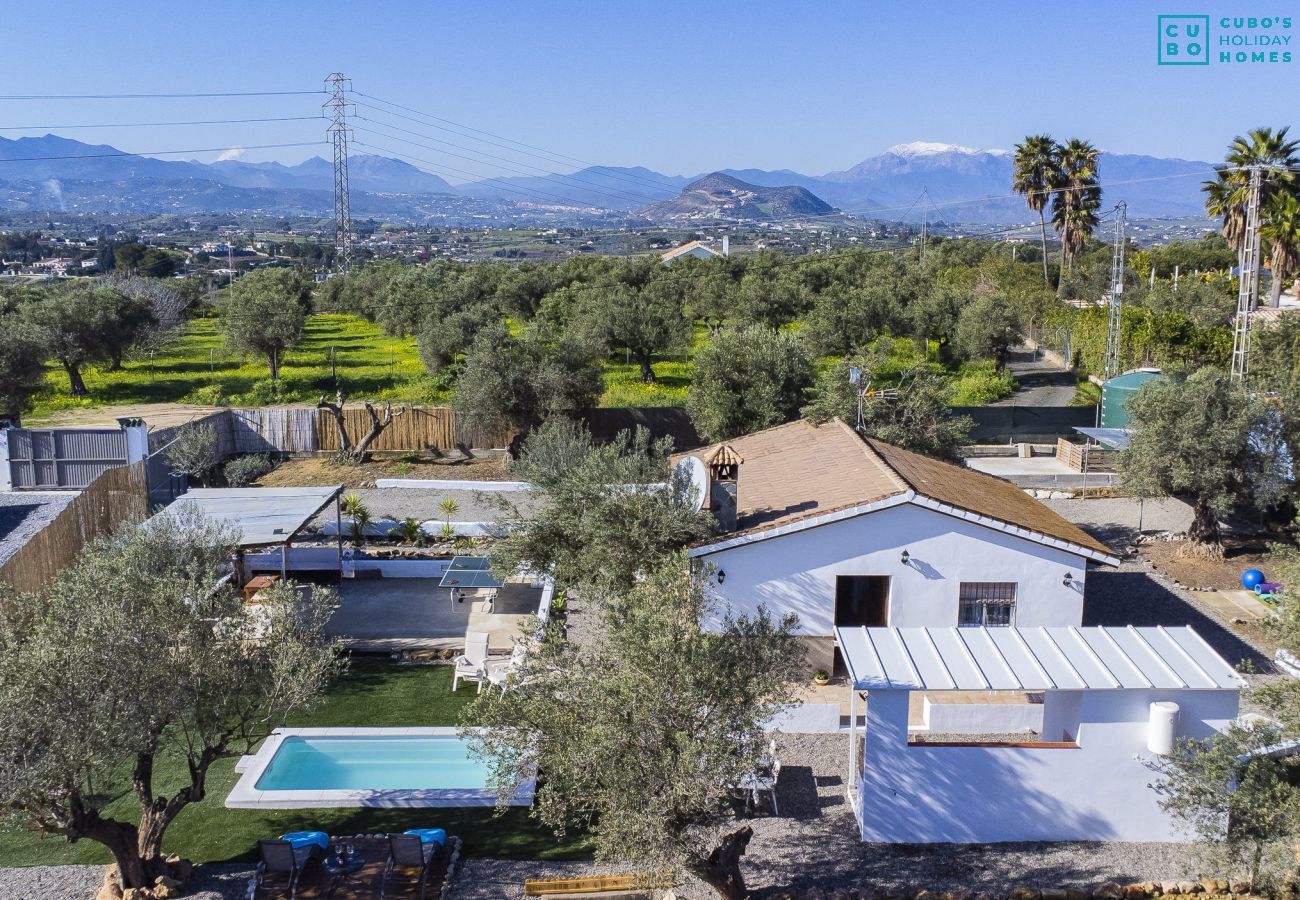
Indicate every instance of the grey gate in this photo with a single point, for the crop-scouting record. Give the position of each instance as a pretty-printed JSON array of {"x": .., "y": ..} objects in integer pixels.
[{"x": 52, "y": 459}]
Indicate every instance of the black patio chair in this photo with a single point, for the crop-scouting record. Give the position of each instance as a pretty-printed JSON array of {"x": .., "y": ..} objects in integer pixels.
[
  {"x": 281, "y": 866},
  {"x": 409, "y": 862}
]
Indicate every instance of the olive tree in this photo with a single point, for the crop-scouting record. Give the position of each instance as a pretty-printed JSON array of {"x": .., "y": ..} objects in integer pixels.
[
  {"x": 83, "y": 324},
  {"x": 1204, "y": 437},
  {"x": 748, "y": 379},
  {"x": 1237, "y": 798},
  {"x": 672, "y": 711},
  {"x": 136, "y": 671},
  {"x": 600, "y": 515},
  {"x": 195, "y": 452},
  {"x": 22, "y": 365},
  {"x": 264, "y": 313}
]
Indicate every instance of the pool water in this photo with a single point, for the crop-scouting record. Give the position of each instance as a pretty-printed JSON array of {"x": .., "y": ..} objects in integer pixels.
[{"x": 373, "y": 762}]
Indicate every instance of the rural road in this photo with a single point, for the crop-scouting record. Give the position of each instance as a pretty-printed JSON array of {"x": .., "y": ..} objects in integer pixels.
[{"x": 1041, "y": 382}]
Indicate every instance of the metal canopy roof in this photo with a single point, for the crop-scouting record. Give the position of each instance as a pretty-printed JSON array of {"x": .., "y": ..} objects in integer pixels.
[
  {"x": 1115, "y": 438},
  {"x": 1033, "y": 659},
  {"x": 262, "y": 515},
  {"x": 469, "y": 572}
]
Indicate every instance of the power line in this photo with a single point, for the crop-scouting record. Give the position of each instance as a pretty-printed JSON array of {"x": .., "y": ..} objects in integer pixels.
[
  {"x": 145, "y": 153},
  {"x": 180, "y": 96},
  {"x": 161, "y": 124}
]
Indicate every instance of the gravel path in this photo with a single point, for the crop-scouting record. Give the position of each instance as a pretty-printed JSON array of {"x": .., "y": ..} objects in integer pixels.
[
  {"x": 1041, "y": 383},
  {"x": 421, "y": 504},
  {"x": 212, "y": 882},
  {"x": 24, "y": 513}
]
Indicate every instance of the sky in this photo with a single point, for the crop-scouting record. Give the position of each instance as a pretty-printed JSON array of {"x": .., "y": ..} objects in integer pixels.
[{"x": 682, "y": 88}]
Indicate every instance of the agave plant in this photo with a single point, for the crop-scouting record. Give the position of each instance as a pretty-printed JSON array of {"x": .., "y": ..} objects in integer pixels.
[{"x": 408, "y": 531}]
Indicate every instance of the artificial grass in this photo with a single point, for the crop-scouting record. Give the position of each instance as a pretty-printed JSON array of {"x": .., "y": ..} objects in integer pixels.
[{"x": 374, "y": 692}]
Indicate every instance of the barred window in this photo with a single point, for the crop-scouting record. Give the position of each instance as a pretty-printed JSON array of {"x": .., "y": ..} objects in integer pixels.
[{"x": 987, "y": 603}]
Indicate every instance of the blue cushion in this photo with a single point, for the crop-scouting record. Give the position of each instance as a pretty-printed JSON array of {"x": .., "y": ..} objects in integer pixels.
[
  {"x": 307, "y": 838},
  {"x": 429, "y": 835}
]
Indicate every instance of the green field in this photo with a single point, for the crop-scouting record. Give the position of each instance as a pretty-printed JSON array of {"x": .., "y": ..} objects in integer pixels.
[
  {"x": 198, "y": 368},
  {"x": 373, "y": 692}
]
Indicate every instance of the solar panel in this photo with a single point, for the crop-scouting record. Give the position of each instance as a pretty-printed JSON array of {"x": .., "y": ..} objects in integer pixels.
[{"x": 469, "y": 572}]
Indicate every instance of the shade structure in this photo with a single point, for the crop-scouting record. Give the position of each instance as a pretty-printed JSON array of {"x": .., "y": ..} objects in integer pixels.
[
  {"x": 264, "y": 516},
  {"x": 1033, "y": 659},
  {"x": 469, "y": 572}
]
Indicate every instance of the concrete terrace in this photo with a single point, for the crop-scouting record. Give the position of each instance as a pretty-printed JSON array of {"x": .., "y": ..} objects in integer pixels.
[{"x": 388, "y": 614}]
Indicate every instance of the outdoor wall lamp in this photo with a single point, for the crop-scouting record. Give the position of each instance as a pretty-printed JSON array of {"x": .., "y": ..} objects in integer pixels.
[
  {"x": 906, "y": 557},
  {"x": 722, "y": 575},
  {"x": 1068, "y": 580}
]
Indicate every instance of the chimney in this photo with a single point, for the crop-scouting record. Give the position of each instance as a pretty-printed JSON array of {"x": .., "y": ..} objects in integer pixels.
[
  {"x": 724, "y": 475},
  {"x": 726, "y": 245}
]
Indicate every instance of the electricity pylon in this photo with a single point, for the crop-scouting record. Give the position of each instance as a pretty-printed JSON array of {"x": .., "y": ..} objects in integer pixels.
[
  {"x": 1113, "y": 359},
  {"x": 1248, "y": 289},
  {"x": 336, "y": 110}
]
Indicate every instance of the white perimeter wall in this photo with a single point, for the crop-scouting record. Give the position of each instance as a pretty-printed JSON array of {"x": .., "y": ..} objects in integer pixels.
[
  {"x": 796, "y": 572},
  {"x": 1098, "y": 791}
]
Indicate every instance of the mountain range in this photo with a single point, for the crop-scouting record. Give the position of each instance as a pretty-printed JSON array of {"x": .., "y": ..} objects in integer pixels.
[{"x": 950, "y": 183}]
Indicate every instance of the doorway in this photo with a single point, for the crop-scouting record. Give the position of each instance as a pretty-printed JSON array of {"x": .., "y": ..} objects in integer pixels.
[{"x": 862, "y": 600}]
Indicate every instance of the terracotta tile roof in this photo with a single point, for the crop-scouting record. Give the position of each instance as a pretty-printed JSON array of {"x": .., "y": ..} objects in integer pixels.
[
  {"x": 800, "y": 470},
  {"x": 686, "y": 248}
]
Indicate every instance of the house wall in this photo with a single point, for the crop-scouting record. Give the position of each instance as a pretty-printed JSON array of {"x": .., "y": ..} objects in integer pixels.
[
  {"x": 1095, "y": 791},
  {"x": 796, "y": 572}
]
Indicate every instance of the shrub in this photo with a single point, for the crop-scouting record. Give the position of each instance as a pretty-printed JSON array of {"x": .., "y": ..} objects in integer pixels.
[
  {"x": 977, "y": 386},
  {"x": 195, "y": 451},
  {"x": 244, "y": 470},
  {"x": 210, "y": 395}
]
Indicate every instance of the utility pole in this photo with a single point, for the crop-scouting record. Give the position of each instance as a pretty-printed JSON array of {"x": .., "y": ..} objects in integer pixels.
[
  {"x": 1113, "y": 359},
  {"x": 1248, "y": 290},
  {"x": 336, "y": 110},
  {"x": 925, "y": 221}
]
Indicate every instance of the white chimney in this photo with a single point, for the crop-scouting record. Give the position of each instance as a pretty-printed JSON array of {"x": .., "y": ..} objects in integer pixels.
[
  {"x": 1162, "y": 727},
  {"x": 726, "y": 245}
]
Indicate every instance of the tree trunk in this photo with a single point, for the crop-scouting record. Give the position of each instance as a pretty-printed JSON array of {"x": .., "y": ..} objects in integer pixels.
[
  {"x": 721, "y": 871},
  {"x": 377, "y": 426},
  {"x": 76, "y": 384},
  {"x": 336, "y": 409},
  {"x": 1204, "y": 531},
  {"x": 274, "y": 358},
  {"x": 1042, "y": 228},
  {"x": 1275, "y": 290},
  {"x": 647, "y": 373},
  {"x": 122, "y": 840}
]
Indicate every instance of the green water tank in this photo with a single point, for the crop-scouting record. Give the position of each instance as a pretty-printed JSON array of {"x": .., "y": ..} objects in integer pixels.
[{"x": 1115, "y": 395}]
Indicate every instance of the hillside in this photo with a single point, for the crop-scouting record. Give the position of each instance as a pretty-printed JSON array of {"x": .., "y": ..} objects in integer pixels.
[{"x": 719, "y": 196}]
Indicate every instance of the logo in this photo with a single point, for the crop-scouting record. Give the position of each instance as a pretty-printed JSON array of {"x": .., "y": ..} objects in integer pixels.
[{"x": 1183, "y": 40}]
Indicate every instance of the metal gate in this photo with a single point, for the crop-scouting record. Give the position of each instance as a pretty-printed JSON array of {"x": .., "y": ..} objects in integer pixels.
[{"x": 53, "y": 459}]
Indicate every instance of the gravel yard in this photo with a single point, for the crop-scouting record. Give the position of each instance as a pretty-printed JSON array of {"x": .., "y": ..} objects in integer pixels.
[
  {"x": 214, "y": 882},
  {"x": 24, "y": 513}
]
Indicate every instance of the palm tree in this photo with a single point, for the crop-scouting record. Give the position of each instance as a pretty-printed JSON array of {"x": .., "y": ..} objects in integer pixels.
[
  {"x": 1281, "y": 229},
  {"x": 1078, "y": 196},
  {"x": 1034, "y": 171},
  {"x": 1227, "y": 194}
]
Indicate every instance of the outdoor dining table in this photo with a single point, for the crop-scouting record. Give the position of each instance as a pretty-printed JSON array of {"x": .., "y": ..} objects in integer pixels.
[{"x": 341, "y": 871}]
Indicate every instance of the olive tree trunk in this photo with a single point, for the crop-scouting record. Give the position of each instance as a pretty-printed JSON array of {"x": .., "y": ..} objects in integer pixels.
[{"x": 721, "y": 871}]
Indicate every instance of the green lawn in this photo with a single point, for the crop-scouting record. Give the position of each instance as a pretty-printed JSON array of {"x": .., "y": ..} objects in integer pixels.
[
  {"x": 198, "y": 368},
  {"x": 374, "y": 692}
]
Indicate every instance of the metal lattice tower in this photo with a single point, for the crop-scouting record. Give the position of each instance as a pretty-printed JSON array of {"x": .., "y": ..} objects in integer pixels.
[
  {"x": 336, "y": 110},
  {"x": 1249, "y": 281},
  {"x": 1116, "y": 295}
]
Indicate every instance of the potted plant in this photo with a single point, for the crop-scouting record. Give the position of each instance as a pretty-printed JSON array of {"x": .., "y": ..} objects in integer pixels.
[{"x": 821, "y": 677}]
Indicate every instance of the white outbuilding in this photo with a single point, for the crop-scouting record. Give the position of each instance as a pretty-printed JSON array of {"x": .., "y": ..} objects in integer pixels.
[{"x": 1113, "y": 700}]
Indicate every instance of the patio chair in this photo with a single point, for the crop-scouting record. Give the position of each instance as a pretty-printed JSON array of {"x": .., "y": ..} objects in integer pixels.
[
  {"x": 469, "y": 665},
  {"x": 410, "y": 858},
  {"x": 764, "y": 781},
  {"x": 282, "y": 864},
  {"x": 499, "y": 672}
]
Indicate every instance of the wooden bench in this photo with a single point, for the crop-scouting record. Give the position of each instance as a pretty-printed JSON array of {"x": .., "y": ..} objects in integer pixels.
[{"x": 597, "y": 884}]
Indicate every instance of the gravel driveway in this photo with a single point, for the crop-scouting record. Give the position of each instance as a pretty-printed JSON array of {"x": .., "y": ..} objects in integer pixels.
[
  {"x": 212, "y": 882},
  {"x": 23, "y": 513}
]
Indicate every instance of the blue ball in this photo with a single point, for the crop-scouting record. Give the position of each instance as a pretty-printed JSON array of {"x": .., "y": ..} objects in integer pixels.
[{"x": 1250, "y": 578}]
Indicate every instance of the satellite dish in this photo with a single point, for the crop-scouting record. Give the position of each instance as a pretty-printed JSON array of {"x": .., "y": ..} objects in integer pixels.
[{"x": 694, "y": 470}]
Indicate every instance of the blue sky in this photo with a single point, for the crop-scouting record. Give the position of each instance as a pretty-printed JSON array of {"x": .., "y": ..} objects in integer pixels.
[{"x": 679, "y": 87}]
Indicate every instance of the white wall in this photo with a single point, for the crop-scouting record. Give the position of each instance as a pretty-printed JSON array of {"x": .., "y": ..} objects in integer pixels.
[
  {"x": 796, "y": 572},
  {"x": 1097, "y": 791}
]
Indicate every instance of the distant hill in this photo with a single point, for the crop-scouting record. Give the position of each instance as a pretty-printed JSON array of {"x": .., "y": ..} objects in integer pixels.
[
  {"x": 964, "y": 185},
  {"x": 719, "y": 196}
]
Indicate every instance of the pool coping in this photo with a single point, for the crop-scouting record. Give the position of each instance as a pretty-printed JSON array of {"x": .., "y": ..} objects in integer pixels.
[{"x": 245, "y": 794}]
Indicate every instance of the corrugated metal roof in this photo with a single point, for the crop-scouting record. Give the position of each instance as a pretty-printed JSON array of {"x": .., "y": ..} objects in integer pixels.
[
  {"x": 1033, "y": 659},
  {"x": 262, "y": 515}
]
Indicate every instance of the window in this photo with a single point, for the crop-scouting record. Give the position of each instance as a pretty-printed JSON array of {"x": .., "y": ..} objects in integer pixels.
[{"x": 987, "y": 603}]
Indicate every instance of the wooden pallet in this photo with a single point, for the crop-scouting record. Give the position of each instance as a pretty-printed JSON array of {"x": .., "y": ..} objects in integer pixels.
[{"x": 596, "y": 884}]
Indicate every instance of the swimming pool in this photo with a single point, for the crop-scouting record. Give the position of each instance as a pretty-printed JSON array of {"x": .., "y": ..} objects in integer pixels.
[{"x": 299, "y": 768}]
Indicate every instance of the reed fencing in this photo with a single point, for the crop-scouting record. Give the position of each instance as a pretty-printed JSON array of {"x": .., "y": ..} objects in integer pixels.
[{"x": 117, "y": 495}]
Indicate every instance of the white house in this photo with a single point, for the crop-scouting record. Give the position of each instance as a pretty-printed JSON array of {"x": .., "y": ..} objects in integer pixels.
[
  {"x": 694, "y": 248},
  {"x": 1113, "y": 700},
  {"x": 849, "y": 531}
]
